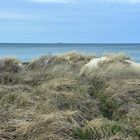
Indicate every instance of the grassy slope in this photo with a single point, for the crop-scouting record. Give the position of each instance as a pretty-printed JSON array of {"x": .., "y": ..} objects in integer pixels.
[{"x": 48, "y": 99}]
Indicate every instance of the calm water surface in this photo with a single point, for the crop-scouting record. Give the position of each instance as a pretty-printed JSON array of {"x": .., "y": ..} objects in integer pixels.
[{"x": 26, "y": 52}]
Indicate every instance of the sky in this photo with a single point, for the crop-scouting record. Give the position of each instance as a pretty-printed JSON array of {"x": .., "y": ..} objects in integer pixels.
[{"x": 70, "y": 21}]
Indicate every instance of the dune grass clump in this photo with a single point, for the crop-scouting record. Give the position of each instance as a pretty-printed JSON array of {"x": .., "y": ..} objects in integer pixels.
[
  {"x": 55, "y": 126},
  {"x": 97, "y": 90},
  {"x": 98, "y": 129},
  {"x": 9, "y": 78},
  {"x": 10, "y": 65},
  {"x": 71, "y": 58},
  {"x": 111, "y": 66},
  {"x": 51, "y": 99},
  {"x": 74, "y": 57},
  {"x": 15, "y": 101},
  {"x": 120, "y": 57},
  {"x": 66, "y": 94}
]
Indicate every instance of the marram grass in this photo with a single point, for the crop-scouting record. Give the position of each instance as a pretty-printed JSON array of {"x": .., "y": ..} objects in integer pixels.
[{"x": 52, "y": 98}]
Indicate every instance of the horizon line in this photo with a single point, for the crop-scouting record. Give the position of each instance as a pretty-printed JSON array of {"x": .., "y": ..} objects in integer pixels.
[{"x": 66, "y": 43}]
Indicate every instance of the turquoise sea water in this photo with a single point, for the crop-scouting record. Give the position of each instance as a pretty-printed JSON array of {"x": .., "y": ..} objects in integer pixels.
[{"x": 26, "y": 52}]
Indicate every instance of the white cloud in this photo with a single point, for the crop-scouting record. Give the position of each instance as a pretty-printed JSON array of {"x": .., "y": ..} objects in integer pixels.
[
  {"x": 121, "y": 1},
  {"x": 73, "y": 1},
  {"x": 54, "y": 1}
]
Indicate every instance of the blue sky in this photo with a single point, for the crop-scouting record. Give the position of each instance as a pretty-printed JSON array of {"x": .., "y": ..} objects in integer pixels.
[{"x": 70, "y": 21}]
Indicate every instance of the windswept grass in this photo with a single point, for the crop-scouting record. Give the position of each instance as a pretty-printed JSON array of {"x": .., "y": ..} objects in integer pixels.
[
  {"x": 51, "y": 99},
  {"x": 9, "y": 65},
  {"x": 111, "y": 66}
]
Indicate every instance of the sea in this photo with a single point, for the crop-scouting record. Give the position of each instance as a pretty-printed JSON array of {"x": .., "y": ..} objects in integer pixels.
[{"x": 30, "y": 51}]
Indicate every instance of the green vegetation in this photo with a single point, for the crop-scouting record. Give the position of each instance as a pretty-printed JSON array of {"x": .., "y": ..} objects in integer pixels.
[{"x": 52, "y": 98}]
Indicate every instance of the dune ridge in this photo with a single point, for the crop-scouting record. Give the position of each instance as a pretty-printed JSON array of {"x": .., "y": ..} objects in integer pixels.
[{"x": 70, "y": 96}]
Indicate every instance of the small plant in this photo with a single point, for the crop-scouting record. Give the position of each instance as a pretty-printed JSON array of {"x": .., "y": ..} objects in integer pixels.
[
  {"x": 97, "y": 84},
  {"x": 98, "y": 129},
  {"x": 113, "y": 128},
  {"x": 107, "y": 106},
  {"x": 79, "y": 133}
]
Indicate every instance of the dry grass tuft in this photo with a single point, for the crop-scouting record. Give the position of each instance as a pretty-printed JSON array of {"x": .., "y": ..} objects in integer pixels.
[{"x": 10, "y": 64}]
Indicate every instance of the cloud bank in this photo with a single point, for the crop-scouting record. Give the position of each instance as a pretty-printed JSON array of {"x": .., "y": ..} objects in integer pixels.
[
  {"x": 121, "y": 1},
  {"x": 54, "y": 1},
  {"x": 72, "y": 1}
]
